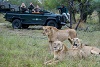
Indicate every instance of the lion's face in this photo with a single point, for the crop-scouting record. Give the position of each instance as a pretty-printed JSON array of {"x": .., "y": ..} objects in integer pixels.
[
  {"x": 76, "y": 42},
  {"x": 58, "y": 45},
  {"x": 46, "y": 30}
]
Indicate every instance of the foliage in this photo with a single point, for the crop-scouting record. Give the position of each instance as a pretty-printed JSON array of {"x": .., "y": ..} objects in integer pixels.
[
  {"x": 96, "y": 6},
  {"x": 51, "y": 4},
  {"x": 82, "y": 7},
  {"x": 27, "y": 2}
]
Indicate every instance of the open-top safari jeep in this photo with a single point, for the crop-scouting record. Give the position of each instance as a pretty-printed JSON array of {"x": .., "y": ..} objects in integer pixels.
[
  {"x": 6, "y": 6},
  {"x": 44, "y": 18}
]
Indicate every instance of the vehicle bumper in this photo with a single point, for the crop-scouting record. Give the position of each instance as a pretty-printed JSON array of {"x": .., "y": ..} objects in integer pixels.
[{"x": 63, "y": 23}]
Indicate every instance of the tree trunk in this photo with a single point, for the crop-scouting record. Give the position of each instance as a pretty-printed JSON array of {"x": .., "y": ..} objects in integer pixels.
[
  {"x": 72, "y": 13},
  {"x": 99, "y": 16},
  {"x": 84, "y": 17},
  {"x": 83, "y": 11},
  {"x": 74, "y": 19}
]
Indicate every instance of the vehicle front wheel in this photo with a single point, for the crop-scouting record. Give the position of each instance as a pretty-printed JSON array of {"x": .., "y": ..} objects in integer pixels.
[
  {"x": 16, "y": 24},
  {"x": 60, "y": 26},
  {"x": 52, "y": 23}
]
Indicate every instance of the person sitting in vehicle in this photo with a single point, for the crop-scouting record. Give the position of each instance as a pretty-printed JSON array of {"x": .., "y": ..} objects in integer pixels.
[
  {"x": 23, "y": 7},
  {"x": 31, "y": 7},
  {"x": 64, "y": 11},
  {"x": 37, "y": 9}
]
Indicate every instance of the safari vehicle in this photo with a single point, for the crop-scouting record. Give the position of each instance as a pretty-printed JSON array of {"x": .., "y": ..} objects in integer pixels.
[
  {"x": 44, "y": 18},
  {"x": 6, "y": 6}
]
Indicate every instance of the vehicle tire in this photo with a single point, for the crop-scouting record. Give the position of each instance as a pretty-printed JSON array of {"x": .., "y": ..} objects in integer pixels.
[
  {"x": 52, "y": 23},
  {"x": 60, "y": 26},
  {"x": 16, "y": 24},
  {"x": 2, "y": 7},
  {"x": 24, "y": 26}
]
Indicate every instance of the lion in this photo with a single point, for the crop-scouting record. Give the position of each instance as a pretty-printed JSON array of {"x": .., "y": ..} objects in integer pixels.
[
  {"x": 54, "y": 34},
  {"x": 61, "y": 52},
  {"x": 76, "y": 43}
]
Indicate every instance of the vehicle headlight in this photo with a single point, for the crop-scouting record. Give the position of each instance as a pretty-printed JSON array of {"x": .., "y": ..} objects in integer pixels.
[{"x": 59, "y": 18}]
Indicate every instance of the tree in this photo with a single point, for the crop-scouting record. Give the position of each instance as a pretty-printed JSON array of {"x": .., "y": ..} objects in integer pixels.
[
  {"x": 85, "y": 9},
  {"x": 96, "y": 6},
  {"x": 51, "y": 4}
]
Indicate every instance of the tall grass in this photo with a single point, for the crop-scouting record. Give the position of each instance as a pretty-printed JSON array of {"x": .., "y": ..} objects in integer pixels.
[
  {"x": 2, "y": 20},
  {"x": 29, "y": 48}
]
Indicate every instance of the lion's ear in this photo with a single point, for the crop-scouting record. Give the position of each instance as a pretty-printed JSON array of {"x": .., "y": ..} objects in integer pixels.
[
  {"x": 81, "y": 45},
  {"x": 70, "y": 40},
  {"x": 50, "y": 27},
  {"x": 80, "y": 40},
  {"x": 65, "y": 48},
  {"x": 55, "y": 29},
  {"x": 43, "y": 27}
]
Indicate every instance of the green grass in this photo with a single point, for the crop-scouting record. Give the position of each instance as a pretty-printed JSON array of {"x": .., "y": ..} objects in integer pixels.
[
  {"x": 29, "y": 48},
  {"x": 2, "y": 20}
]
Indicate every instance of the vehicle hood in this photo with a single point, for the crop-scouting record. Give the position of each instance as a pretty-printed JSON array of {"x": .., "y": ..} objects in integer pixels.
[{"x": 52, "y": 14}]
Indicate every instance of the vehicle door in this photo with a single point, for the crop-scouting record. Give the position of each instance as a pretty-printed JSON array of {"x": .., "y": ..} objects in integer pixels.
[{"x": 34, "y": 18}]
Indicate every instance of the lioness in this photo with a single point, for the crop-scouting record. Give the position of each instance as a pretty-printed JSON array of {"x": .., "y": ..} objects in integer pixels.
[
  {"x": 54, "y": 34},
  {"x": 61, "y": 52},
  {"x": 76, "y": 43}
]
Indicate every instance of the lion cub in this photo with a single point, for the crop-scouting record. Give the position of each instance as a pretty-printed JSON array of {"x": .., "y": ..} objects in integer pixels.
[
  {"x": 54, "y": 34},
  {"x": 61, "y": 52}
]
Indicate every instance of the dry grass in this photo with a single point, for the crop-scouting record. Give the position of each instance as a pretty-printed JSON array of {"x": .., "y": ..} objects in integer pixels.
[
  {"x": 29, "y": 48},
  {"x": 2, "y": 20}
]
